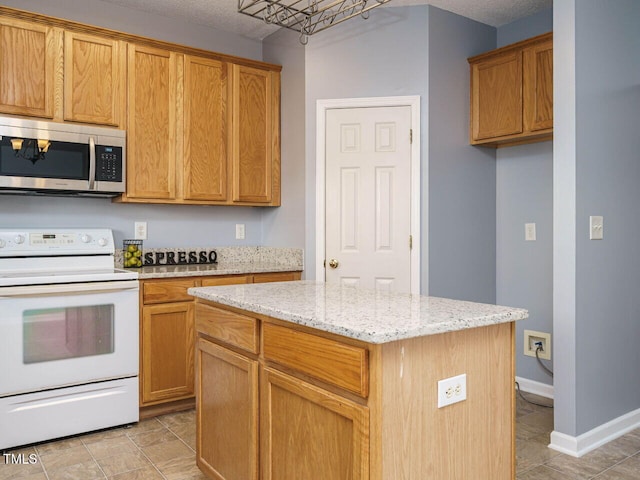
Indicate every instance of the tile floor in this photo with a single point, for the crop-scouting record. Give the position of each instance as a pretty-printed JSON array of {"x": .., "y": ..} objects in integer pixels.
[{"x": 164, "y": 448}]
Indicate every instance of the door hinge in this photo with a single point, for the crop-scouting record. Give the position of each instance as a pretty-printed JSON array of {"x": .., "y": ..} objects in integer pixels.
[
  {"x": 410, "y": 242},
  {"x": 324, "y": 263},
  {"x": 411, "y": 135}
]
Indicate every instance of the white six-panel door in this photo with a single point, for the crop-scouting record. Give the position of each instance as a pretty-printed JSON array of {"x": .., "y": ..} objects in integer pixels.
[{"x": 368, "y": 197}]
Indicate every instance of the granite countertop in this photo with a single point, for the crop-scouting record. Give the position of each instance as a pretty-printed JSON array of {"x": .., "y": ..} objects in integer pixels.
[
  {"x": 239, "y": 268},
  {"x": 373, "y": 317}
]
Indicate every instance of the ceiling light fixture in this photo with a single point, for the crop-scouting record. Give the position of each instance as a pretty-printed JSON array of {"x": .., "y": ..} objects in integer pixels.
[{"x": 307, "y": 16}]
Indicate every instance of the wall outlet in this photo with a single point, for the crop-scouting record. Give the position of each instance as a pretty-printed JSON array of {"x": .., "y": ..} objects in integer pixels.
[
  {"x": 532, "y": 338},
  {"x": 140, "y": 230},
  {"x": 452, "y": 390},
  {"x": 530, "y": 232},
  {"x": 596, "y": 227},
  {"x": 239, "y": 231}
]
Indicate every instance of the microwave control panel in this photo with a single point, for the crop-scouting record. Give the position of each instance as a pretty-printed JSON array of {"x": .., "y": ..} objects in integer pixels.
[{"x": 108, "y": 163}]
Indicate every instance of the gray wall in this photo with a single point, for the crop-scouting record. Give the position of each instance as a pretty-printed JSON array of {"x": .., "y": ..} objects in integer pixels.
[
  {"x": 596, "y": 283},
  {"x": 179, "y": 226},
  {"x": 524, "y": 194},
  {"x": 284, "y": 226},
  {"x": 608, "y": 173},
  {"x": 462, "y": 178}
]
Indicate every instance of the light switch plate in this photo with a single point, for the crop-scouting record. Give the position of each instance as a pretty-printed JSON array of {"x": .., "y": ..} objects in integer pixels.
[
  {"x": 239, "y": 231},
  {"x": 596, "y": 227},
  {"x": 530, "y": 232},
  {"x": 140, "y": 230}
]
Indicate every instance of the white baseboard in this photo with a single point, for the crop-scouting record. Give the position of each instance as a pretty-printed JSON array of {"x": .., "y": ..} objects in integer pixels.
[
  {"x": 537, "y": 388},
  {"x": 588, "y": 441}
]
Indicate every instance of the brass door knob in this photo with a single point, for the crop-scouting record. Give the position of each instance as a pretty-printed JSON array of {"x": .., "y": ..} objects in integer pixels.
[{"x": 333, "y": 263}]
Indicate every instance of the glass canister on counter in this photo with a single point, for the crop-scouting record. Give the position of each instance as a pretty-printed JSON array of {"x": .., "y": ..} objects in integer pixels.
[{"x": 132, "y": 253}]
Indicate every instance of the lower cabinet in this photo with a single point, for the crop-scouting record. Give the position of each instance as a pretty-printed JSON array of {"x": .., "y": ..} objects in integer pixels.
[
  {"x": 167, "y": 337},
  {"x": 227, "y": 421},
  {"x": 292, "y": 413}
]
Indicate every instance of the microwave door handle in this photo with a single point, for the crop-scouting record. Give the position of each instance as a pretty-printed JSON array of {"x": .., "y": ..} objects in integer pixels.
[{"x": 92, "y": 163}]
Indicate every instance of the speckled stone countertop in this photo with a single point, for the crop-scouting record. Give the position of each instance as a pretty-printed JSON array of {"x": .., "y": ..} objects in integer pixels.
[
  {"x": 231, "y": 261},
  {"x": 352, "y": 312}
]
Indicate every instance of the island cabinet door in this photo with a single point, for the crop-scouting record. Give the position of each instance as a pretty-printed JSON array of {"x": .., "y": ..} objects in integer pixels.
[
  {"x": 226, "y": 413},
  {"x": 309, "y": 433}
]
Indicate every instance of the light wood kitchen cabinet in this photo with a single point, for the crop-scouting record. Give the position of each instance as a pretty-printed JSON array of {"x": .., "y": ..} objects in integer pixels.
[
  {"x": 167, "y": 338},
  {"x": 512, "y": 93},
  {"x": 302, "y": 426},
  {"x": 29, "y": 54},
  {"x": 94, "y": 79},
  {"x": 255, "y": 135},
  {"x": 152, "y": 125}
]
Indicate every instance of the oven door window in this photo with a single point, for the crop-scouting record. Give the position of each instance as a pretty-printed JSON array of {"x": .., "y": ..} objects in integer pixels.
[{"x": 58, "y": 333}]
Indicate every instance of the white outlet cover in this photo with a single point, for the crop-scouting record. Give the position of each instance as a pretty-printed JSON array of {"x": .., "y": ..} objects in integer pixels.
[
  {"x": 530, "y": 232},
  {"x": 140, "y": 230},
  {"x": 452, "y": 390},
  {"x": 596, "y": 227},
  {"x": 240, "y": 233}
]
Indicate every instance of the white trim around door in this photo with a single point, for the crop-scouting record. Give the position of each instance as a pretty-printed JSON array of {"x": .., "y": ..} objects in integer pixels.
[{"x": 419, "y": 237}]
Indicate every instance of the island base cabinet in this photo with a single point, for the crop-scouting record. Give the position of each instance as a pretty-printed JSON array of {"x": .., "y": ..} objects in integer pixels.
[
  {"x": 309, "y": 433},
  {"x": 226, "y": 413}
]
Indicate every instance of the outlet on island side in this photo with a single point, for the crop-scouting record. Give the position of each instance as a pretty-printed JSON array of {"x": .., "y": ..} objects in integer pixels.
[{"x": 452, "y": 390}]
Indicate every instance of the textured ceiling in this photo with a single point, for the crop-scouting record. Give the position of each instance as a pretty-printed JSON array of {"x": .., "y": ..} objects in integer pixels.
[{"x": 222, "y": 14}]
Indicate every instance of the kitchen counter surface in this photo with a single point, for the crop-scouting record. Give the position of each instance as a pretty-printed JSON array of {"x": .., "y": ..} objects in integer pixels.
[
  {"x": 361, "y": 314},
  {"x": 171, "y": 271}
]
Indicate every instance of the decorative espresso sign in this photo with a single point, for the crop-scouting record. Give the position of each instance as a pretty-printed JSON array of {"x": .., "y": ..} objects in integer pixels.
[{"x": 180, "y": 257}]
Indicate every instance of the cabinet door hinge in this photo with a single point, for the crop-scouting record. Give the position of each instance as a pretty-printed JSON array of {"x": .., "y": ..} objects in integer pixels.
[
  {"x": 411, "y": 135},
  {"x": 410, "y": 242}
]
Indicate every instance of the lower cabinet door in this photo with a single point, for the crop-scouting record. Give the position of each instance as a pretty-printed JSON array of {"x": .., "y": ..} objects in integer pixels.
[
  {"x": 309, "y": 433},
  {"x": 226, "y": 413},
  {"x": 167, "y": 352}
]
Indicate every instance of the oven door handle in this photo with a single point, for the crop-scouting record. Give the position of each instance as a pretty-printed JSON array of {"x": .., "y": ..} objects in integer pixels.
[{"x": 68, "y": 289}]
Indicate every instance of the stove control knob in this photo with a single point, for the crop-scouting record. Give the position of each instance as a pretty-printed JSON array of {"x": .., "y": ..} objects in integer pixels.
[
  {"x": 102, "y": 242},
  {"x": 19, "y": 239},
  {"x": 84, "y": 238}
]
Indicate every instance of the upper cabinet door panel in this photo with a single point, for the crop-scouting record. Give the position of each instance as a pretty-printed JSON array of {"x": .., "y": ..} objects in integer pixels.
[
  {"x": 497, "y": 96},
  {"x": 151, "y": 131},
  {"x": 205, "y": 129},
  {"x": 538, "y": 86},
  {"x": 94, "y": 79},
  {"x": 252, "y": 130},
  {"x": 28, "y": 54}
]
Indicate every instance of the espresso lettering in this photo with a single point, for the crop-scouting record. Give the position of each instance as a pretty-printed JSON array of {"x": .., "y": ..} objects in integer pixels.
[
  {"x": 193, "y": 257},
  {"x": 148, "y": 258},
  {"x": 159, "y": 258},
  {"x": 171, "y": 260},
  {"x": 202, "y": 257},
  {"x": 182, "y": 258},
  {"x": 213, "y": 256}
]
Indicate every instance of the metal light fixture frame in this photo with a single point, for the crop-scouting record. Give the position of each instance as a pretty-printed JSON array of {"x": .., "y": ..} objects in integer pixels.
[
  {"x": 38, "y": 147},
  {"x": 307, "y": 16}
]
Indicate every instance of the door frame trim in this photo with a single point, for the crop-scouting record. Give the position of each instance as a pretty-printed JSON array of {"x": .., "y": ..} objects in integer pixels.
[{"x": 413, "y": 102}]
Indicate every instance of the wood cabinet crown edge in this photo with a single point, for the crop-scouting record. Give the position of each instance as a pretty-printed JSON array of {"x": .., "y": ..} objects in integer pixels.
[
  {"x": 129, "y": 37},
  {"x": 513, "y": 46}
]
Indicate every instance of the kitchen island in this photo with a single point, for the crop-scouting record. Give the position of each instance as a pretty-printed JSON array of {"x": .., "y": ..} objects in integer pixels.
[{"x": 317, "y": 381}]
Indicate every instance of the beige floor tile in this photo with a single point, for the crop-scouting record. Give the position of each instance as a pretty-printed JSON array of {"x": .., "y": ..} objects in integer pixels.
[
  {"x": 146, "y": 425},
  {"x": 103, "y": 435},
  {"x": 187, "y": 433},
  {"x": 147, "y": 473},
  {"x": 110, "y": 447},
  {"x": 543, "y": 473},
  {"x": 628, "y": 469},
  {"x": 124, "y": 461},
  {"x": 146, "y": 439},
  {"x": 10, "y": 471},
  {"x": 82, "y": 471},
  {"x": 65, "y": 458},
  {"x": 24, "y": 475},
  {"x": 58, "y": 445},
  {"x": 180, "y": 468},
  {"x": 167, "y": 451},
  {"x": 180, "y": 418}
]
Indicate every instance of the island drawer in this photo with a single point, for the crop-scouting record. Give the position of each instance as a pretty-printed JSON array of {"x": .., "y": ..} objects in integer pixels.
[
  {"x": 235, "y": 280},
  {"x": 155, "y": 291},
  {"x": 228, "y": 327},
  {"x": 340, "y": 364}
]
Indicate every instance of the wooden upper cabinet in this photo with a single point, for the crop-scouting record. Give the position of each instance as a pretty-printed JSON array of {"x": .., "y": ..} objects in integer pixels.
[
  {"x": 151, "y": 132},
  {"x": 512, "y": 93},
  {"x": 255, "y": 110},
  {"x": 94, "y": 79},
  {"x": 205, "y": 156},
  {"x": 29, "y": 53}
]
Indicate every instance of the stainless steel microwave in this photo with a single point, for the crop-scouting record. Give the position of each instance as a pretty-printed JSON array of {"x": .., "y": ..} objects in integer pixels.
[{"x": 41, "y": 157}]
